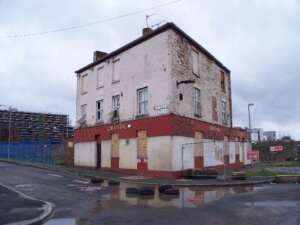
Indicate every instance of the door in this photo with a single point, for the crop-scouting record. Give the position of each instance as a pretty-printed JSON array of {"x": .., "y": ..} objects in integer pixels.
[{"x": 98, "y": 155}]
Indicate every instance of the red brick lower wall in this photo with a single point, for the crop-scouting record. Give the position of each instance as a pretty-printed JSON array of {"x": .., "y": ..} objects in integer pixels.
[
  {"x": 152, "y": 173},
  {"x": 115, "y": 162},
  {"x": 158, "y": 126},
  {"x": 228, "y": 166},
  {"x": 199, "y": 162},
  {"x": 166, "y": 125}
]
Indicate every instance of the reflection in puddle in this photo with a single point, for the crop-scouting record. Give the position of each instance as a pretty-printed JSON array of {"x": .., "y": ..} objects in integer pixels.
[{"x": 188, "y": 197}]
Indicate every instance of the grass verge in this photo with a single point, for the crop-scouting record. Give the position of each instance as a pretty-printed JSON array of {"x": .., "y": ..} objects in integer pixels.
[{"x": 260, "y": 172}]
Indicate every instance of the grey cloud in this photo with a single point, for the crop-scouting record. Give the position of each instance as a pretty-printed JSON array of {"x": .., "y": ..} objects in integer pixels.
[{"x": 257, "y": 40}]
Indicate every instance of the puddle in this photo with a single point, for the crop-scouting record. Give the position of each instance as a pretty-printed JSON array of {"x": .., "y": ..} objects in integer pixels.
[
  {"x": 69, "y": 221},
  {"x": 285, "y": 204},
  {"x": 188, "y": 196},
  {"x": 54, "y": 175},
  {"x": 64, "y": 221},
  {"x": 82, "y": 181},
  {"x": 23, "y": 185},
  {"x": 135, "y": 178},
  {"x": 90, "y": 189}
]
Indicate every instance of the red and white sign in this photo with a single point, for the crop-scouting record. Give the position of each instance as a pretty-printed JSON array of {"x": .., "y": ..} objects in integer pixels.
[
  {"x": 276, "y": 148},
  {"x": 253, "y": 155}
]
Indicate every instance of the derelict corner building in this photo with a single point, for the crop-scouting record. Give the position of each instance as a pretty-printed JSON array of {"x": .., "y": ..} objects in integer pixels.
[{"x": 140, "y": 104}]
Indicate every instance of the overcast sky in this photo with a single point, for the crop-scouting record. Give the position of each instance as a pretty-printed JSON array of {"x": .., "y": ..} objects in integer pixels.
[{"x": 258, "y": 40}]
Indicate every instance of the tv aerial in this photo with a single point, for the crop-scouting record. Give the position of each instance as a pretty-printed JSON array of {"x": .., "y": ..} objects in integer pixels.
[
  {"x": 157, "y": 24},
  {"x": 147, "y": 17}
]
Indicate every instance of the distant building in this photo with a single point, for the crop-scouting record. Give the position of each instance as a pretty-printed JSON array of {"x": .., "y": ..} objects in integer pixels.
[
  {"x": 270, "y": 135},
  {"x": 34, "y": 126},
  {"x": 257, "y": 135}
]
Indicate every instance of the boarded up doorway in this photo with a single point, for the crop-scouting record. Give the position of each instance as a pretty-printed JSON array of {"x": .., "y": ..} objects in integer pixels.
[{"x": 98, "y": 155}]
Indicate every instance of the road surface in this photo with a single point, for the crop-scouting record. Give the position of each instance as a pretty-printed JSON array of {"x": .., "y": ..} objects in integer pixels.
[{"x": 76, "y": 201}]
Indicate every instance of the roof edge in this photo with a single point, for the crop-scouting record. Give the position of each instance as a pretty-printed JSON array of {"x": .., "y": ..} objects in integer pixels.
[{"x": 157, "y": 31}]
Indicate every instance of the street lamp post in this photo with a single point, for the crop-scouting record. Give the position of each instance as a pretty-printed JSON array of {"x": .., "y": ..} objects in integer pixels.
[
  {"x": 9, "y": 130},
  {"x": 250, "y": 129}
]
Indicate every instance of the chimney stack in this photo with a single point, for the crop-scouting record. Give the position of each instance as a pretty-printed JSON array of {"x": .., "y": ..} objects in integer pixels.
[
  {"x": 146, "y": 31},
  {"x": 99, "y": 55}
]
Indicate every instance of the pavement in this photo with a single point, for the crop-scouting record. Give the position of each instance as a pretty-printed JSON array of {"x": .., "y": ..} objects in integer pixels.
[
  {"x": 137, "y": 179},
  {"x": 21, "y": 209}
]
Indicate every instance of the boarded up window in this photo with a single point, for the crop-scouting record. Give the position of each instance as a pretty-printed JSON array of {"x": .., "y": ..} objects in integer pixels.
[
  {"x": 100, "y": 77},
  {"x": 224, "y": 112},
  {"x": 195, "y": 58},
  {"x": 214, "y": 108},
  {"x": 223, "y": 85},
  {"x": 142, "y": 144},
  {"x": 237, "y": 151},
  {"x": 116, "y": 70},
  {"x": 115, "y": 145},
  {"x": 199, "y": 143},
  {"x": 226, "y": 139}
]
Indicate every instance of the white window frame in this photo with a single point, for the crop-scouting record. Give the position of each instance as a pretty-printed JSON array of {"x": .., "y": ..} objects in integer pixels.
[
  {"x": 83, "y": 110},
  {"x": 84, "y": 84},
  {"x": 100, "y": 77},
  {"x": 116, "y": 105},
  {"x": 114, "y": 78},
  {"x": 142, "y": 100},
  {"x": 197, "y": 101},
  {"x": 224, "y": 111},
  {"x": 83, "y": 113},
  {"x": 99, "y": 110},
  {"x": 195, "y": 58}
]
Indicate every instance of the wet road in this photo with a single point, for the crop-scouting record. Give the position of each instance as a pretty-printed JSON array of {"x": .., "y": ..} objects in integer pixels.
[{"x": 78, "y": 202}]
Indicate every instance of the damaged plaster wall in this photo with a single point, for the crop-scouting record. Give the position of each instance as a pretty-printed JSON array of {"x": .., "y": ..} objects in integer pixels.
[{"x": 208, "y": 81}]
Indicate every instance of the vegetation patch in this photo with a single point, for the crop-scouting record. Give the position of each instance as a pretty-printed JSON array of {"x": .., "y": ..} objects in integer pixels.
[
  {"x": 284, "y": 164},
  {"x": 260, "y": 172}
]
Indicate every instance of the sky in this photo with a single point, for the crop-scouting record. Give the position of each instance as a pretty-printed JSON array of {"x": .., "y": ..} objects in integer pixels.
[{"x": 258, "y": 40}]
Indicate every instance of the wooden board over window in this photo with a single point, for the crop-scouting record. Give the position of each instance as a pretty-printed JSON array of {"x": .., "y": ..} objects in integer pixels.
[
  {"x": 223, "y": 84},
  {"x": 199, "y": 143},
  {"x": 142, "y": 144},
  {"x": 236, "y": 146},
  {"x": 226, "y": 139},
  {"x": 115, "y": 145},
  {"x": 214, "y": 108}
]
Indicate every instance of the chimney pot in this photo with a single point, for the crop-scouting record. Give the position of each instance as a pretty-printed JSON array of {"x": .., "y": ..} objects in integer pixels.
[
  {"x": 147, "y": 30},
  {"x": 99, "y": 55}
]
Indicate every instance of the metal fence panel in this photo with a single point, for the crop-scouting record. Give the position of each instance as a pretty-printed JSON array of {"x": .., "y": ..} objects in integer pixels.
[{"x": 37, "y": 151}]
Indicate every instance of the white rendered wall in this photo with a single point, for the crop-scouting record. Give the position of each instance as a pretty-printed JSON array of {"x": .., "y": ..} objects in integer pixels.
[
  {"x": 106, "y": 153},
  {"x": 159, "y": 153},
  {"x": 213, "y": 153},
  {"x": 85, "y": 154},
  {"x": 128, "y": 153},
  {"x": 241, "y": 151},
  {"x": 188, "y": 153},
  {"x": 246, "y": 148},
  {"x": 231, "y": 152},
  {"x": 157, "y": 63},
  {"x": 145, "y": 65}
]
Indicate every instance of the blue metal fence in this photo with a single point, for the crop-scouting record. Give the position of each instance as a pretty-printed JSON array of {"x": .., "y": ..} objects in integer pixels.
[{"x": 37, "y": 151}]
